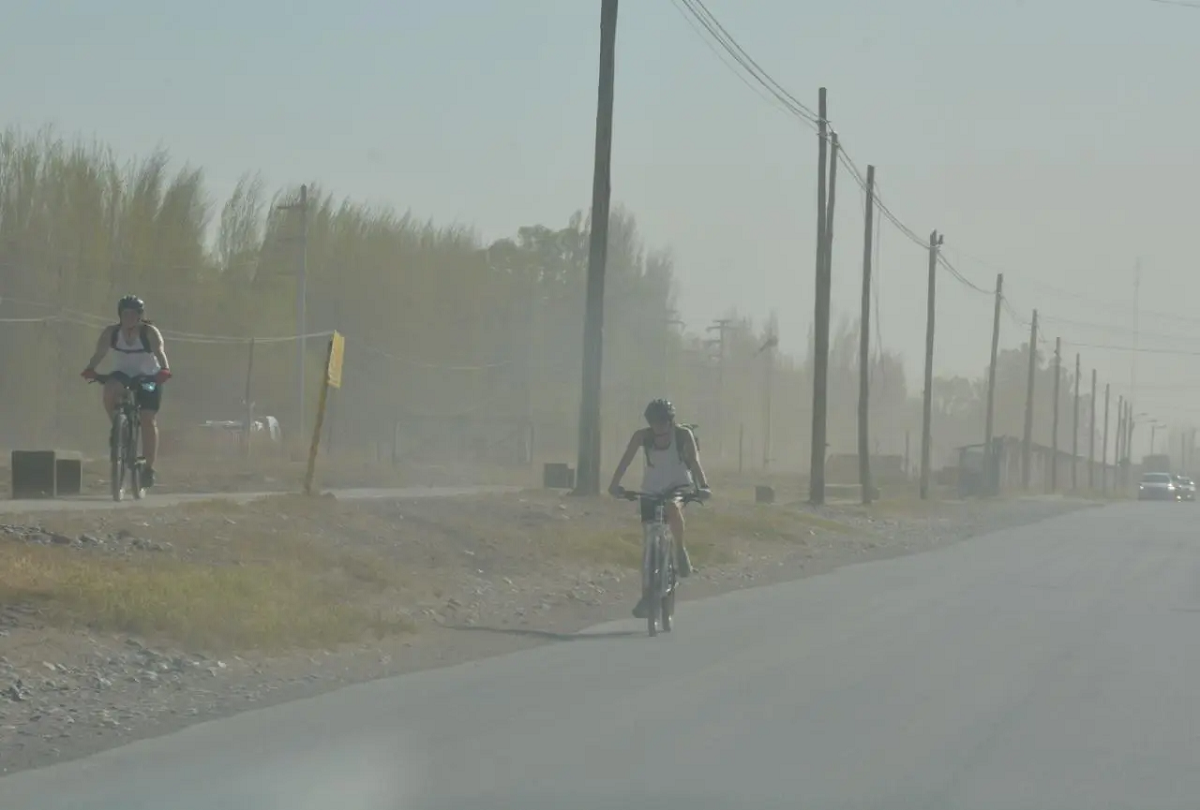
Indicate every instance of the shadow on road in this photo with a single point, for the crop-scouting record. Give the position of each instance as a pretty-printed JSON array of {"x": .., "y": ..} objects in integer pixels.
[{"x": 543, "y": 634}]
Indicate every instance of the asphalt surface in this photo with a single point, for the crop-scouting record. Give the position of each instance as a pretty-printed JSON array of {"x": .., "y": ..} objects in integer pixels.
[
  {"x": 159, "y": 500},
  {"x": 1047, "y": 667}
]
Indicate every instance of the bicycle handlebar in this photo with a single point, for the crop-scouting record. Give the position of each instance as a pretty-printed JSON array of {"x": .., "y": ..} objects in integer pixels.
[
  {"x": 684, "y": 494},
  {"x": 127, "y": 380}
]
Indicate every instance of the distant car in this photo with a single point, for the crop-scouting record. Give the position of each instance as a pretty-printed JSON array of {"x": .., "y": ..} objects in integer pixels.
[
  {"x": 1158, "y": 486},
  {"x": 1186, "y": 487}
]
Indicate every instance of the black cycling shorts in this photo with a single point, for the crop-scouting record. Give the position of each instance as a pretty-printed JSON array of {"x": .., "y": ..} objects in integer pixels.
[
  {"x": 150, "y": 400},
  {"x": 146, "y": 400}
]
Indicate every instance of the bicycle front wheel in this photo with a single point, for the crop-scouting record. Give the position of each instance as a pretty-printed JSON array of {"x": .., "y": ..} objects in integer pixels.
[
  {"x": 132, "y": 462},
  {"x": 117, "y": 456}
]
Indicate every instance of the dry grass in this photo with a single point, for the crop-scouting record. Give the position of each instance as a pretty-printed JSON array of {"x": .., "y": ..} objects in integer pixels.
[
  {"x": 607, "y": 532},
  {"x": 289, "y": 571},
  {"x": 265, "y": 607},
  {"x": 249, "y": 589}
]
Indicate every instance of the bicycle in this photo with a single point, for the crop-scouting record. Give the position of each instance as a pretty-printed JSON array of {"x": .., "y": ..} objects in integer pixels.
[
  {"x": 126, "y": 433},
  {"x": 660, "y": 577}
]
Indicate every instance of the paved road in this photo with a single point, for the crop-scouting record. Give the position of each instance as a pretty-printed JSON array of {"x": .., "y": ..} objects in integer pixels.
[
  {"x": 1048, "y": 667},
  {"x": 159, "y": 500}
]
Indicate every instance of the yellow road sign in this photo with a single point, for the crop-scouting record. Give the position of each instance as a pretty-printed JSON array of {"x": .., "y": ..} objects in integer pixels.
[{"x": 337, "y": 351}]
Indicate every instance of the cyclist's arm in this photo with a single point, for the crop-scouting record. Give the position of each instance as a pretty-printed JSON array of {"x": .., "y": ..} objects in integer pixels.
[
  {"x": 102, "y": 347},
  {"x": 635, "y": 443},
  {"x": 691, "y": 457},
  {"x": 156, "y": 344}
]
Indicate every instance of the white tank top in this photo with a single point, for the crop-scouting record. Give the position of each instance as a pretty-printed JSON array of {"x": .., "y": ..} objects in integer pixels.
[
  {"x": 665, "y": 469},
  {"x": 130, "y": 356}
]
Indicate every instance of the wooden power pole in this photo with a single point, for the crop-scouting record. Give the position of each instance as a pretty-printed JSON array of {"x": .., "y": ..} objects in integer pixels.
[
  {"x": 1119, "y": 441},
  {"x": 1054, "y": 422},
  {"x": 1027, "y": 441},
  {"x": 820, "y": 370},
  {"x": 1104, "y": 450},
  {"x": 935, "y": 242},
  {"x": 588, "y": 463},
  {"x": 1092, "y": 438},
  {"x": 989, "y": 461},
  {"x": 864, "y": 345},
  {"x": 1075, "y": 430}
]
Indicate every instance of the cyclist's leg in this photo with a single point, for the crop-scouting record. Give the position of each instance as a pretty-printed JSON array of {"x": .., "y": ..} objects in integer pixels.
[
  {"x": 149, "y": 402},
  {"x": 112, "y": 395},
  {"x": 674, "y": 513}
]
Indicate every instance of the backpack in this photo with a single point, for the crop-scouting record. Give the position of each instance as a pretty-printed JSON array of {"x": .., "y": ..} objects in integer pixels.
[
  {"x": 681, "y": 433},
  {"x": 143, "y": 333}
]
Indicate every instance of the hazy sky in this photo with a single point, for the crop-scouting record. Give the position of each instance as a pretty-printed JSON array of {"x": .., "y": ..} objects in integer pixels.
[{"x": 1055, "y": 140}]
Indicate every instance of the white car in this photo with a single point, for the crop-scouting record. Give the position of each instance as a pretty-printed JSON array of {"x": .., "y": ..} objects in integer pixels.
[{"x": 1158, "y": 486}]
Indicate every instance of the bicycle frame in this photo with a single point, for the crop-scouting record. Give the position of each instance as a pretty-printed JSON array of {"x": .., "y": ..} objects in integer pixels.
[
  {"x": 125, "y": 434},
  {"x": 659, "y": 574}
]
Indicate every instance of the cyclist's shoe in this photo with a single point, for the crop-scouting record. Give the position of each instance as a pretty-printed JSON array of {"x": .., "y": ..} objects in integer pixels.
[
  {"x": 641, "y": 609},
  {"x": 683, "y": 562},
  {"x": 147, "y": 477}
]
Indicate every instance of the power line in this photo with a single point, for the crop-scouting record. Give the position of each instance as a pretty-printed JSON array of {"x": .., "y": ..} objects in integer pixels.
[
  {"x": 1112, "y": 328},
  {"x": 725, "y": 60},
  {"x": 1180, "y": 3},
  {"x": 1134, "y": 349},
  {"x": 700, "y": 13},
  {"x": 697, "y": 11}
]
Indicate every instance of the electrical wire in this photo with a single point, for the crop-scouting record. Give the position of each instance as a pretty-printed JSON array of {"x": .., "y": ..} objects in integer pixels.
[
  {"x": 1134, "y": 349},
  {"x": 729, "y": 44},
  {"x": 695, "y": 11}
]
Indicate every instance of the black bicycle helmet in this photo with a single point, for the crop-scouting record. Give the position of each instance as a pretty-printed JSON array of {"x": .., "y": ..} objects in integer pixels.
[
  {"x": 130, "y": 302},
  {"x": 660, "y": 410}
]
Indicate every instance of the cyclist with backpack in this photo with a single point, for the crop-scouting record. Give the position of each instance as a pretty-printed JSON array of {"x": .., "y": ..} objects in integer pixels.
[
  {"x": 139, "y": 352},
  {"x": 672, "y": 460}
]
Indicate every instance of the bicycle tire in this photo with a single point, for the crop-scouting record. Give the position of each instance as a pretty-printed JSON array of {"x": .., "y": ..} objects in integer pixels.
[
  {"x": 132, "y": 461},
  {"x": 117, "y": 456},
  {"x": 651, "y": 592},
  {"x": 668, "y": 599}
]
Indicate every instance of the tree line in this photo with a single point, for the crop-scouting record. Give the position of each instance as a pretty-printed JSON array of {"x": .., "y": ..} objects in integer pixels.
[{"x": 455, "y": 347}]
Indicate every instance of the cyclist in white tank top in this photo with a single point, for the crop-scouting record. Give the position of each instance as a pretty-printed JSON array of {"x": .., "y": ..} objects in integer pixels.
[
  {"x": 138, "y": 348},
  {"x": 672, "y": 460},
  {"x": 665, "y": 468}
]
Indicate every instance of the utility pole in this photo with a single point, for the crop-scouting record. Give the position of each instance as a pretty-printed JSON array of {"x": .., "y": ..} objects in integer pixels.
[
  {"x": 864, "y": 346},
  {"x": 302, "y": 296},
  {"x": 988, "y": 454},
  {"x": 1104, "y": 451},
  {"x": 820, "y": 439},
  {"x": 1119, "y": 440},
  {"x": 1075, "y": 430},
  {"x": 768, "y": 352},
  {"x": 301, "y": 302},
  {"x": 720, "y": 326},
  {"x": 1092, "y": 439},
  {"x": 820, "y": 370},
  {"x": 1130, "y": 421},
  {"x": 1054, "y": 423},
  {"x": 588, "y": 463},
  {"x": 1027, "y": 443},
  {"x": 935, "y": 242}
]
